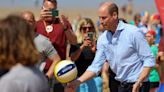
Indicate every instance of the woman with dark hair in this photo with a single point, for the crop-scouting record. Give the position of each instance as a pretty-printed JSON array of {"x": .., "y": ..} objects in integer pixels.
[{"x": 19, "y": 55}]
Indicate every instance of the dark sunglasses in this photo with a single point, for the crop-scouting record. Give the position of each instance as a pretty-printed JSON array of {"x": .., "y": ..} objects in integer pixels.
[{"x": 85, "y": 28}]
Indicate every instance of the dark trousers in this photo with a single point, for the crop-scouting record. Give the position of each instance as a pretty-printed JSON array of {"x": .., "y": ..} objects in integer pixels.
[
  {"x": 127, "y": 87},
  {"x": 115, "y": 86}
]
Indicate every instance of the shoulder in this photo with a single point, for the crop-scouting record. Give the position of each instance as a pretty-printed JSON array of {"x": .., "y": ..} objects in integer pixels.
[
  {"x": 39, "y": 21},
  {"x": 154, "y": 47},
  {"x": 103, "y": 37},
  {"x": 8, "y": 79},
  {"x": 5, "y": 78},
  {"x": 127, "y": 29},
  {"x": 77, "y": 46},
  {"x": 40, "y": 39},
  {"x": 133, "y": 31},
  {"x": 39, "y": 24},
  {"x": 10, "y": 75},
  {"x": 19, "y": 74},
  {"x": 131, "y": 28},
  {"x": 8, "y": 85},
  {"x": 16, "y": 79}
]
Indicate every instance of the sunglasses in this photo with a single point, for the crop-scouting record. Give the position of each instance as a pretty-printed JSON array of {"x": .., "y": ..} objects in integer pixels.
[{"x": 85, "y": 28}]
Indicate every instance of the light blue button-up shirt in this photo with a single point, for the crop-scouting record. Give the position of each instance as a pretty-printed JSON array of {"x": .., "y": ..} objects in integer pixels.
[{"x": 127, "y": 52}]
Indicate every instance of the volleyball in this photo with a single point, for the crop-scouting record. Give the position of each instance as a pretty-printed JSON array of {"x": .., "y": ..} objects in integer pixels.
[{"x": 65, "y": 71}]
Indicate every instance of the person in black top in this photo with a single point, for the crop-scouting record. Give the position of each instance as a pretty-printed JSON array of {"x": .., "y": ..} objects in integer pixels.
[{"x": 83, "y": 54}]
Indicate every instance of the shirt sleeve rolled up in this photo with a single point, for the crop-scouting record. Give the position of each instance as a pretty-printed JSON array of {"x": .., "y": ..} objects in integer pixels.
[{"x": 99, "y": 58}]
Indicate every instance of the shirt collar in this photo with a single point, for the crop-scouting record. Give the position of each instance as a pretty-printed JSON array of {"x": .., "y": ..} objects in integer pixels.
[{"x": 120, "y": 26}]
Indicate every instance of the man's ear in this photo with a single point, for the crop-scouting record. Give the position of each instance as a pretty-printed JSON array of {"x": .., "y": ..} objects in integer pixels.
[{"x": 115, "y": 15}]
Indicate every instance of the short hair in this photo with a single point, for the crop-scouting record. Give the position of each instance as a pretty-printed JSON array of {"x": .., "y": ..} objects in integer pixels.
[
  {"x": 113, "y": 8},
  {"x": 53, "y": 1},
  {"x": 16, "y": 43},
  {"x": 26, "y": 12}
]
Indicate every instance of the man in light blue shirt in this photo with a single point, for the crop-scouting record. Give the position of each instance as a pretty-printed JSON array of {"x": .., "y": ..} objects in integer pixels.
[{"x": 125, "y": 48}]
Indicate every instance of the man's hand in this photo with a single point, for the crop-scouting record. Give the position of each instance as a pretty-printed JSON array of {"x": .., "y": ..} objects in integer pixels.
[
  {"x": 65, "y": 22},
  {"x": 160, "y": 56},
  {"x": 45, "y": 13},
  {"x": 136, "y": 87},
  {"x": 72, "y": 86},
  {"x": 68, "y": 89}
]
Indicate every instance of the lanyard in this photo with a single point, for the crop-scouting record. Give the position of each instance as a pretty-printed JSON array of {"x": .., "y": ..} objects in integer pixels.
[{"x": 48, "y": 28}]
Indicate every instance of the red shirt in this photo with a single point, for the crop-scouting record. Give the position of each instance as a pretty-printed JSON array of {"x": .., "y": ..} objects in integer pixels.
[
  {"x": 161, "y": 44},
  {"x": 57, "y": 37}
]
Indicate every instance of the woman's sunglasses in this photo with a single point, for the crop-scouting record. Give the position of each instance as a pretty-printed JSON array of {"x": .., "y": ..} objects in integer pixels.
[{"x": 85, "y": 28}]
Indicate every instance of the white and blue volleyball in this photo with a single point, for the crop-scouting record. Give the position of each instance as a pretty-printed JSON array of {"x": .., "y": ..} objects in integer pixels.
[{"x": 65, "y": 71}]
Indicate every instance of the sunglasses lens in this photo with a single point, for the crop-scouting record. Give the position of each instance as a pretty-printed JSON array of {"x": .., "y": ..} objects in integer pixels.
[{"x": 85, "y": 28}]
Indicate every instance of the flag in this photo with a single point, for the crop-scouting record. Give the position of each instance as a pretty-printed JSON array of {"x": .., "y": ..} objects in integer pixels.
[{"x": 160, "y": 7}]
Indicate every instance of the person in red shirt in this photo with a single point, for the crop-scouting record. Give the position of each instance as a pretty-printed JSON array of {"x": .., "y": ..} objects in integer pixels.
[{"x": 57, "y": 29}]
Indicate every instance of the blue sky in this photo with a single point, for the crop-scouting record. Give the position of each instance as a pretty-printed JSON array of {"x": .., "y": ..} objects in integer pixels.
[{"x": 145, "y": 4}]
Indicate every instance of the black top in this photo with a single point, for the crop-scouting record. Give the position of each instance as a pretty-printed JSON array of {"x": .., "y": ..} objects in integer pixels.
[{"x": 84, "y": 60}]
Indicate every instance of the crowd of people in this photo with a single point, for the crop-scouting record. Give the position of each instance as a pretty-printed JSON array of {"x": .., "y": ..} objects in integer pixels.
[{"x": 121, "y": 56}]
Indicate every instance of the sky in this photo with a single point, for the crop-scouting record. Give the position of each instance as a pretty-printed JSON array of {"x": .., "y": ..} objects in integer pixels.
[{"x": 139, "y": 5}]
